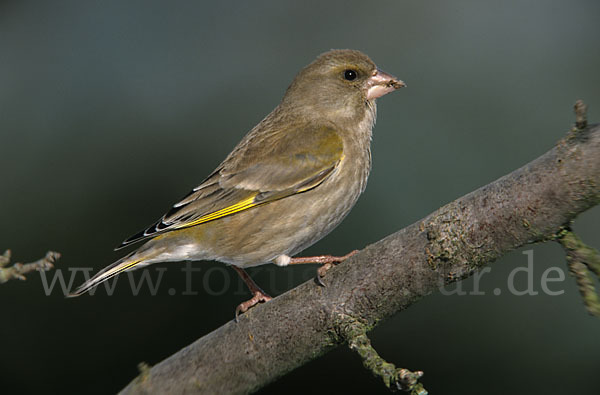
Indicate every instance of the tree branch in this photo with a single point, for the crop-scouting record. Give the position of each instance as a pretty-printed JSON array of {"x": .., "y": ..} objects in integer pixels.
[
  {"x": 535, "y": 203},
  {"x": 583, "y": 261},
  {"x": 18, "y": 270},
  {"x": 355, "y": 334}
]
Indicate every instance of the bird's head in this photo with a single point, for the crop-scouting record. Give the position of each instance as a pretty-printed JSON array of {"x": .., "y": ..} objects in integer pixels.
[{"x": 339, "y": 83}]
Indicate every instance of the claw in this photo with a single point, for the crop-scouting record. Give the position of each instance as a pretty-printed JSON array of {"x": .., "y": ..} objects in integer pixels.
[
  {"x": 259, "y": 297},
  {"x": 319, "y": 281},
  {"x": 328, "y": 262},
  {"x": 259, "y": 294},
  {"x": 321, "y": 273}
]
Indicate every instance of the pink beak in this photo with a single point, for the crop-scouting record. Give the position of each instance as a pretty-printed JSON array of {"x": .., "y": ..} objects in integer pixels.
[{"x": 382, "y": 83}]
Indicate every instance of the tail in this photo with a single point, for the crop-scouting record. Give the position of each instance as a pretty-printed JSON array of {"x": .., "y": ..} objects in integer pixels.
[{"x": 128, "y": 262}]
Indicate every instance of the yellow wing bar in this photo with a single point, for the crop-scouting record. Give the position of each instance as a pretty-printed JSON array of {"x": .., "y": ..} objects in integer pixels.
[
  {"x": 234, "y": 208},
  {"x": 120, "y": 268}
]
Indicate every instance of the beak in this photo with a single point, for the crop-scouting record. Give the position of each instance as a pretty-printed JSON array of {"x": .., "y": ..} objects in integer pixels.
[{"x": 382, "y": 83}]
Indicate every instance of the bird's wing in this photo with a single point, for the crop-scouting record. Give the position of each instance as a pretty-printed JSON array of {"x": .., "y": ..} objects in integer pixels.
[{"x": 293, "y": 160}]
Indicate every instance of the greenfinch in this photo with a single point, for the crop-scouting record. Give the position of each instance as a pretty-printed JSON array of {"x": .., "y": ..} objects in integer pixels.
[{"x": 290, "y": 181}]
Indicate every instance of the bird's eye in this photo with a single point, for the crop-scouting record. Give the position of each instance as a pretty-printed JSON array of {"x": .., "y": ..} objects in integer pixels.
[{"x": 350, "y": 74}]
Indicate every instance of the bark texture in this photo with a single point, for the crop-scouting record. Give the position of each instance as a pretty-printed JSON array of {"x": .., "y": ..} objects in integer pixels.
[{"x": 532, "y": 204}]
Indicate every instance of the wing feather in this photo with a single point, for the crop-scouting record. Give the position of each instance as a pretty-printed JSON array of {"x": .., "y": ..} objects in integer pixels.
[{"x": 300, "y": 160}]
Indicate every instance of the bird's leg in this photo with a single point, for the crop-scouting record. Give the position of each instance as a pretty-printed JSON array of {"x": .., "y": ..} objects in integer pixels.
[
  {"x": 258, "y": 294},
  {"x": 326, "y": 260}
]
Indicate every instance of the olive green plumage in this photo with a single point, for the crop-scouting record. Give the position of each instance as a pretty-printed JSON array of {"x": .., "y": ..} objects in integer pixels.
[{"x": 289, "y": 181}]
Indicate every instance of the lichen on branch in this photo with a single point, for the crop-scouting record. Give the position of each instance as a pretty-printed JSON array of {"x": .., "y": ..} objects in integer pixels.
[
  {"x": 354, "y": 333},
  {"x": 582, "y": 260}
]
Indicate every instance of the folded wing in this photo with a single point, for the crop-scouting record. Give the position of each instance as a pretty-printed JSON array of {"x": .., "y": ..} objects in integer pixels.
[{"x": 293, "y": 161}]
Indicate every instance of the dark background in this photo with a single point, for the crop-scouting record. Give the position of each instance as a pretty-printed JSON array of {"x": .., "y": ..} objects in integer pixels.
[{"x": 111, "y": 111}]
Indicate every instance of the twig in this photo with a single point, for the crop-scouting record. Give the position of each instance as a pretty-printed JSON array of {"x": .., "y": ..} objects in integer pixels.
[
  {"x": 355, "y": 333},
  {"x": 18, "y": 270},
  {"x": 580, "y": 115},
  {"x": 582, "y": 261}
]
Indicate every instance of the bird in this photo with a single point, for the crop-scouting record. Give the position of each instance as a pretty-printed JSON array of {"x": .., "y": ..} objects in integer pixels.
[{"x": 290, "y": 180}]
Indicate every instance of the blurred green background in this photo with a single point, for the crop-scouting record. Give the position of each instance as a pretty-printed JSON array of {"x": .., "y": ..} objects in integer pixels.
[{"x": 111, "y": 111}]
